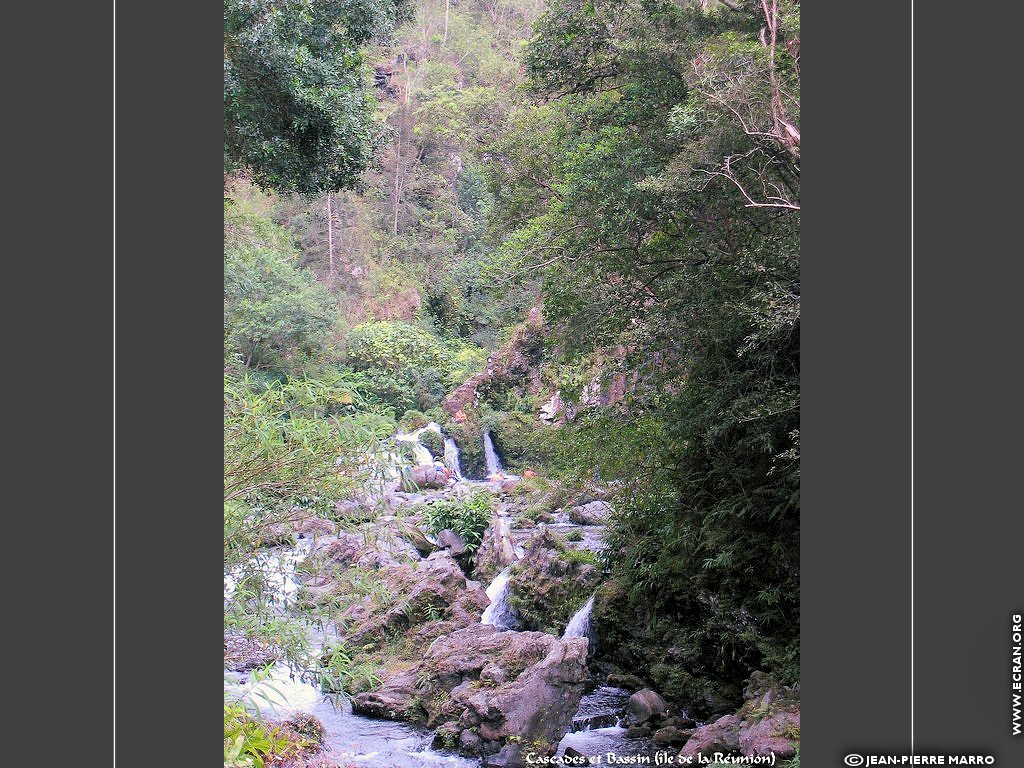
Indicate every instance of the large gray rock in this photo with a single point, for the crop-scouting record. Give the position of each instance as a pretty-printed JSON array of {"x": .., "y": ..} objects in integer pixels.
[
  {"x": 450, "y": 540},
  {"x": 777, "y": 734},
  {"x": 427, "y": 476},
  {"x": 723, "y": 735},
  {"x": 497, "y": 685},
  {"x": 593, "y": 513},
  {"x": 496, "y": 551},
  {"x": 430, "y": 591},
  {"x": 644, "y": 705}
]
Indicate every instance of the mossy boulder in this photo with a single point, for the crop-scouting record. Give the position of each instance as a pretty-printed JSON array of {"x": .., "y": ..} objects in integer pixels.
[{"x": 550, "y": 583}]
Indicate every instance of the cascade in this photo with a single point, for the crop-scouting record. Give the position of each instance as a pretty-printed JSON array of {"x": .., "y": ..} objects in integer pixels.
[{"x": 499, "y": 613}]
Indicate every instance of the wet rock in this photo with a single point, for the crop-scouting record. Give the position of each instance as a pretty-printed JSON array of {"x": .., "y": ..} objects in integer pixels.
[
  {"x": 670, "y": 736},
  {"x": 547, "y": 585},
  {"x": 242, "y": 654},
  {"x": 723, "y": 735},
  {"x": 626, "y": 680},
  {"x": 679, "y": 722},
  {"x": 638, "y": 731},
  {"x": 508, "y": 756},
  {"x": 593, "y": 513},
  {"x": 644, "y": 705},
  {"x": 529, "y": 686},
  {"x": 496, "y": 551},
  {"x": 450, "y": 540}
]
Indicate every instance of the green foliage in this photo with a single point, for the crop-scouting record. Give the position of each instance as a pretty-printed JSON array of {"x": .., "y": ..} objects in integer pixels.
[
  {"x": 407, "y": 367},
  {"x": 395, "y": 346},
  {"x": 468, "y": 518},
  {"x": 297, "y": 114},
  {"x": 340, "y": 672},
  {"x": 634, "y": 209},
  {"x": 276, "y": 315},
  {"x": 248, "y": 742},
  {"x": 581, "y": 556}
]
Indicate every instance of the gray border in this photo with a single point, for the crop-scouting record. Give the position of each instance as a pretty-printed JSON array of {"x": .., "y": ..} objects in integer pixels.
[
  {"x": 855, "y": 363},
  {"x": 968, "y": 553},
  {"x": 169, "y": 381}
]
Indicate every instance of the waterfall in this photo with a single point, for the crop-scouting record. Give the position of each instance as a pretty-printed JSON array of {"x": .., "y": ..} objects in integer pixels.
[
  {"x": 451, "y": 457},
  {"x": 579, "y": 625},
  {"x": 493, "y": 464},
  {"x": 420, "y": 451},
  {"x": 499, "y": 613}
]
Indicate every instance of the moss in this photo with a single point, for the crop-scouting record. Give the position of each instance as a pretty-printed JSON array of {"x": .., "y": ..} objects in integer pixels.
[{"x": 434, "y": 443}]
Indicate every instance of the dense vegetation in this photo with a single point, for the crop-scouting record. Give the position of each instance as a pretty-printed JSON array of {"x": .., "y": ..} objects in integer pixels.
[{"x": 403, "y": 185}]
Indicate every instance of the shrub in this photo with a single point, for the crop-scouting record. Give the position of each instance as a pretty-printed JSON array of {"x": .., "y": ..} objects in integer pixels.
[
  {"x": 468, "y": 518},
  {"x": 395, "y": 346}
]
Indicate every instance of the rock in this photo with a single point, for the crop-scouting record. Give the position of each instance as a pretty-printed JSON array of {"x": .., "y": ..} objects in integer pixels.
[
  {"x": 529, "y": 474},
  {"x": 530, "y": 687},
  {"x": 418, "y": 539},
  {"x": 723, "y": 735},
  {"x": 593, "y": 513},
  {"x": 427, "y": 476},
  {"x": 776, "y": 734},
  {"x": 305, "y": 522},
  {"x": 447, "y": 736},
  {"x": 307, "y": 726},
  {"x": 470, "y": 742},
  {"x": 496, "y": 550},
  {"x": 670, "y": 736},
  {"x": 546, "y": 587},
  {"x": 679, "y": 722},
  {"x": 493, "y": 675},
  {"x": 644, "y": 705},
  {"x": 346, "y": 548},
  {"x": 638, "y": 731},
  {"x": 433, "y": 592},
  {"x": 627, "y": 681},
  {"x": 242, "y": 654},
  {"x": 450, "y": 540},
  {"x": 508, "y": 756},
  {"x": 507, "y": 486}
]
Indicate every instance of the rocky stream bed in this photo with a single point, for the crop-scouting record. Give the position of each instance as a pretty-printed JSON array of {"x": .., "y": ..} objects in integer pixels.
[{"x": 480, "y": 662}]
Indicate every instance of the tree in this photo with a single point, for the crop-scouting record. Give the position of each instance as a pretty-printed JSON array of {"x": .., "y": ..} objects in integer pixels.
[
  {"x": 276, "y": 315},
  {"x": 627, "y": 211},
  {"x": 297, "y": 114}
]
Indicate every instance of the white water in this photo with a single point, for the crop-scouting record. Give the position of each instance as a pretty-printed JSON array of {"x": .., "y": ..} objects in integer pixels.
[
  {"x": 579, "y": 624},
  {"x": 278, "y": 567},
  {"x": 420, "y": 452},
  {"x": 354, "y": 739},
  {"x": 493, "y": 464},
  {"x": 451, "y": 457},
  {"x": 499, "y": 613}
]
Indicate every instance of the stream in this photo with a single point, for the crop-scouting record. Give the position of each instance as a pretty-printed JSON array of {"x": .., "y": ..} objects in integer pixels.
[{"x": 355, "y": 740}]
